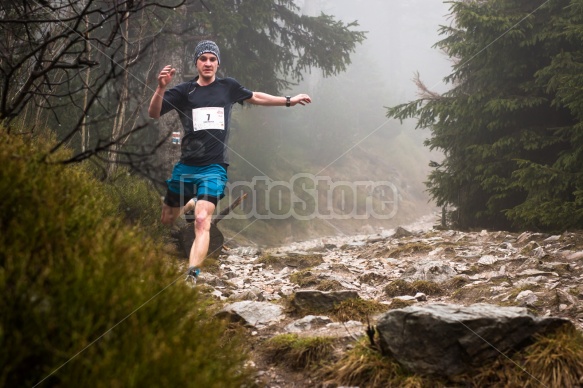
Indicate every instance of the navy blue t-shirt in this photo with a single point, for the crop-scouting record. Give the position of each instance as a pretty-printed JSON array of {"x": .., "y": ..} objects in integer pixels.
[{"x": 205, "y": 113}]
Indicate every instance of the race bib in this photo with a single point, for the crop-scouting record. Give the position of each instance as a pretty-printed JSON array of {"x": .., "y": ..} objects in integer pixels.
[{"x": 208, "y": 118}]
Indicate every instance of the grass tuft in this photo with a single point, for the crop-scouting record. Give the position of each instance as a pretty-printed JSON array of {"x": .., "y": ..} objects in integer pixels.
[
  {"x": 364, "y": 366},
  {"x": 402, "y": 287},
  {"x": 400, "y": 304},
  {"x": 553, "y": 360},
  {"x": 329, "y": 285},
  {"x": 405, "y": 249},
  {"x": 357, "y": 310},
  {"x": 297, "y": 352},
  {"x": 304, "y": 278}
]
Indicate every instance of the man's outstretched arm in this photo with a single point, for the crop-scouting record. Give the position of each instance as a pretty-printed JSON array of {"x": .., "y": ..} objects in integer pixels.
[
  {"x": 164, "y": 79},
  {"x": 265, "y": 99}
]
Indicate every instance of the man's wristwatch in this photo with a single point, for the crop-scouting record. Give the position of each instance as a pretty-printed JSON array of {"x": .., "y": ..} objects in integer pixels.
[{"x": 287, "y": 101}]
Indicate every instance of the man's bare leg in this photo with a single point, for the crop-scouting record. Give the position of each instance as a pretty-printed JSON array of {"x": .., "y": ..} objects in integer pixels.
[
  {"x": 203, "y": 214},
  {"x": 171, "y": 214}
]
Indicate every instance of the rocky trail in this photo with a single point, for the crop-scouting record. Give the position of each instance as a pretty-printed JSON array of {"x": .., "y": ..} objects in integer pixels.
[{"x": 541, "y": 272}]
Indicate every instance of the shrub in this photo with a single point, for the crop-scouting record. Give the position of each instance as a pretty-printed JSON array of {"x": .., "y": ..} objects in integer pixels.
[
  {"x": 139, "y": 201},
  {"x": 88, "y": 300}
]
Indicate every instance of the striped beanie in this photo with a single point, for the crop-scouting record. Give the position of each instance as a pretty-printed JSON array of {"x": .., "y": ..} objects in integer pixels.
[{"x": 207, "y": 46}]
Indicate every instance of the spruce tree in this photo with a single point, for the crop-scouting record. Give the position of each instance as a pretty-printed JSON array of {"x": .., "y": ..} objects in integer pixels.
[{"x": 508, "y": 125}]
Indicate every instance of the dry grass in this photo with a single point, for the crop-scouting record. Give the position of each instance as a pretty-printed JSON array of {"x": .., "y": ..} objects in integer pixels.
[
  {"x": 304, "y": 278},
  {"x": 294, "y": 260},
  {"x": 269, "y": 260},
  {"x": 405, "y": 249},
  {"x": 364, "y": 366},
  {"x": 456, "y": 283},
  {"x": 329, "y": 285},
  {"x": 297, "y": 352},
  {"x": 372, "y": 278},
  {"x": 553, "y": 360},
  {"x": 357, "y": 310},
  {"x": 400, "y": 304},
  {"x": 307, "y": 279},
  {"x": 401, "y": 287}
]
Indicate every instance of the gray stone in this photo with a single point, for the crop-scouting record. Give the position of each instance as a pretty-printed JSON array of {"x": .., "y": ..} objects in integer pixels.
[
  {"x": 487, "y": 260},
  {"x": 526, "y": 298},
  {"x": 252, "y": 313},
  {"x": 320, "y": 301},
  {"x": 401, "y": 232},
  {"x": 405, "y": 298},
  {"x": 539, "y": 252},
  {"x": 536, "y": 272},
  {"x": 552, "y": 238},
  {"x": 307, "y": 323},
  {"x": 421, "y": 297},
  {"x": 574, "y": 256},
  {"x": 446, "y": 339},
  {"x": 435, "y": 271}
]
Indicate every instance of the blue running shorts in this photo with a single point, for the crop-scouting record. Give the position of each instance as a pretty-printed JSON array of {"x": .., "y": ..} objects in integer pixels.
[{"x": 204, "y": 182}]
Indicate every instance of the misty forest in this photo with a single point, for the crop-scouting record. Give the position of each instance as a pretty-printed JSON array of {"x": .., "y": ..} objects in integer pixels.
[{"x": 464, "y": 115}]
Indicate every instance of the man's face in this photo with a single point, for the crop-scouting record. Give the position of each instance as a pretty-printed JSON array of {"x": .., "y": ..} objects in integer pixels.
[{"x": 207, "y": 66}]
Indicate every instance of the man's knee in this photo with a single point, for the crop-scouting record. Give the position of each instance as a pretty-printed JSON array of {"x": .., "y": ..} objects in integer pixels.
[
  {"x": 169, "y": 214},
  {"x": 202, "y": 221},
  {"x": 203, "y": 215}
]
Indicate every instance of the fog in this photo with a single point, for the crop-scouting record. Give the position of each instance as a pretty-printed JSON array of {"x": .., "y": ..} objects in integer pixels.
[
  {"x": 344, "y": 134},
  {"x": 399, "y": 39}
]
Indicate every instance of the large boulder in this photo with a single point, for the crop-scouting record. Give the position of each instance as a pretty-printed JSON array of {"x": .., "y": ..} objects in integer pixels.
[{"x": 447, "y": 339}]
